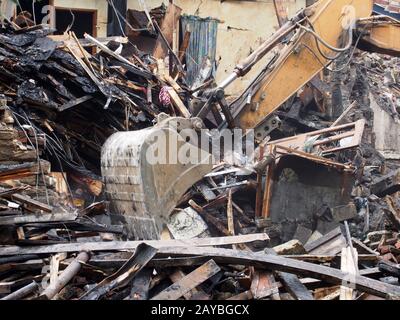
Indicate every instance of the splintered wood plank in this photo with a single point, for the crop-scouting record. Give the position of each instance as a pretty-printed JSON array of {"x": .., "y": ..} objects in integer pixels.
[
  {"x": 195, "y": 293},
  {"x": 229, "y": 212},
  {"x": 31, "y": 203},
  {"x": 189, "y": 282},
  {"x": 168, "y": 26},
  {"x": 62, "y": 280},
  {"x": 177, "y": 102},
  {"x": 75, "y": 102},
  {"x": 55, "y": 266},
  {"x": 333, "y": 295},
  {"x": 348, "y": 264},
  {"x": 264, "y": 285}
]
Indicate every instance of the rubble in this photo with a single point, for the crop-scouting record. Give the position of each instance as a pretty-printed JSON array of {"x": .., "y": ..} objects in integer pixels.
[{"x": 316, "y": 218}]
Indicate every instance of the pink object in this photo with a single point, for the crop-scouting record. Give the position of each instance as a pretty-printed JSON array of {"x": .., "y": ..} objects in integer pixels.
[{"x": 164, "y": 96}]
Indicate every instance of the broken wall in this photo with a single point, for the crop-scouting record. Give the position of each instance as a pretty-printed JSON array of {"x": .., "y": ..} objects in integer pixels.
[
  {"x": 312, "y": 188},
  {"x": 7, "y": 8},
  {"x": 243, "y": 26},
  {"x": 386, "y": 130}
]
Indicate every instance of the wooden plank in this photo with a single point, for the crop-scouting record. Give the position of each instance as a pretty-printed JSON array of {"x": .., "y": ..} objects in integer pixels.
[
  {"x": 292, "y": 283},
  {"x": 294, "y": 286},
  {"x": 330, "y": 258},
  {"x": 55, "y": 266},
  {"x": 281, "y": 10},
  {"x": 143, "y": 254},
  {"x": 37, "y": 218},
  {"x": 320, "y": 241},
  {"x": 66, "y": 276},
  {"x": 167, "y": 28},
  {"x": 9, "y": 286},
  {"x": 195, "y": 293},
  {"x": 229, "y": 212},
  {"x": 362, "y": 246},
  {"x": 29, "y": 265},
  {"x": 110, "y": 52},
  {"x": 130, "y": 245},
  {"x": 31, "y": 203},
  {"x": 263, "y": 285},
  {"x": 75, "y": 102},
  {"x": 189, "y": 282},
  {"x": 177, "y": 102},
  {"x": 350, "y": 266},
  {"x": 300, "y": 268},
  {"x": 141, "y": 285}
]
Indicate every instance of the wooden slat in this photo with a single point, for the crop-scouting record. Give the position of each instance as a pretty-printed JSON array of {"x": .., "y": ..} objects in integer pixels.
[{"x": 189, "y": 282}]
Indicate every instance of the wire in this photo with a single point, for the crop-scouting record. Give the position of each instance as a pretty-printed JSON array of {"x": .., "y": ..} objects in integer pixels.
[
  {"x": 33, "y": 11},
  {"x": 326, "y": 44},
  {"x": 72, "y": 22},
  {"x": 39, "y": 162},
  {"x": 37, "y": 156},
  {"x": 51, "y": 146},
  {"x": 111, "y": 2}
]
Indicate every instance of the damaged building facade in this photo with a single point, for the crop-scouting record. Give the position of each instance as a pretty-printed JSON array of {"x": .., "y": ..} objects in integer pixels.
[{"x": 312, "y": 214}]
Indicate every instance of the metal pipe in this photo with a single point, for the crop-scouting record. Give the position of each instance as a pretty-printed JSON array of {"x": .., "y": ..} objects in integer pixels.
[
  {"x": 66, "y": 276},
  {"x": 23, "y": 292}
]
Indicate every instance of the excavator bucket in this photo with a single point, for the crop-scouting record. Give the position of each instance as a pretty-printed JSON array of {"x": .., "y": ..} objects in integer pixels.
[{"x": 144, "y": 178}]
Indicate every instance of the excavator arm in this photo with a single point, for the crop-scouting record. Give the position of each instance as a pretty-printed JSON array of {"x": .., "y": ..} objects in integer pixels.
[
  {"x": 319, "y": 35},
  {"x": 142, "y": 194},
  {"x": 382, "y": 35}
]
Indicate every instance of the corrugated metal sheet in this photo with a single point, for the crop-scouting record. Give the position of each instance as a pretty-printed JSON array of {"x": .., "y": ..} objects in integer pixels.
[{"x": 202, "y": 45}]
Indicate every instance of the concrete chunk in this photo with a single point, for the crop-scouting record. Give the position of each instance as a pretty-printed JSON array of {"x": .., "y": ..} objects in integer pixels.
[
  {"x": 342, "y": 213},
  {"x": 387, "y": 184}
]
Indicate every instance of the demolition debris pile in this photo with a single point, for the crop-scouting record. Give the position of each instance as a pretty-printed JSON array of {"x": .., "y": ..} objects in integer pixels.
[
  {"x": 231, "y": 236},
  {"x": 58, "y": 106}
]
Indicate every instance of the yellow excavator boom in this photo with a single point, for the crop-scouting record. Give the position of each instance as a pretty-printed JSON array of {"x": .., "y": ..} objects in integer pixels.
[{"x": 304, "y": 57}]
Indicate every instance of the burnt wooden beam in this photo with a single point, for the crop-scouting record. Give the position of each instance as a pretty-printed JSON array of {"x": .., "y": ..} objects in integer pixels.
[
  {"x": 31, "y": 204},
  {"x": 36, "y": 218},
  {"x": 293, "y": 284},
  {"x": 143, "y": 254},
  {"x": 387, "y": 184},
  {"x": 189, "y": 282},
  {"x": 74, "y": 103},
  {"x": 141, "y": 285}
]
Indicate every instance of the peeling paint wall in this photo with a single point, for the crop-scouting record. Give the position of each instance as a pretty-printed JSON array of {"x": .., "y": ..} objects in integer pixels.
[{"x": 244, "y": 26}]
